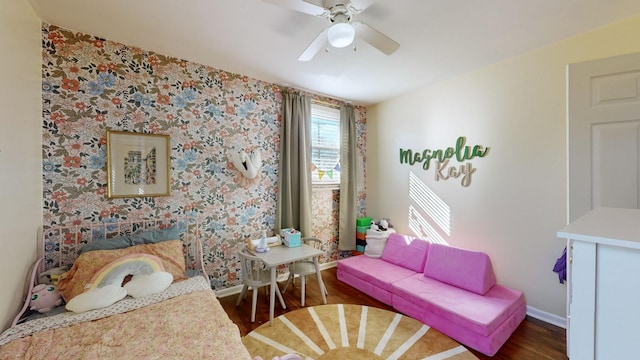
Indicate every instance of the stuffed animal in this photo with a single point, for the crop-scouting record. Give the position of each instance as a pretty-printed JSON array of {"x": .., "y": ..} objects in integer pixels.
[
  {"x": 374, "y": 226},
  {"x": 248, "y": 165},
  {"x": 383, "y": 225},
  {"x": 44, "y": 297},
  {"x": 49, "y": 277}
]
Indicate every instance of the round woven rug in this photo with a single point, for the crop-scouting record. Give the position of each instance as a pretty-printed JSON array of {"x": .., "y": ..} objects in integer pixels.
[{"x": 351, "y": 332}]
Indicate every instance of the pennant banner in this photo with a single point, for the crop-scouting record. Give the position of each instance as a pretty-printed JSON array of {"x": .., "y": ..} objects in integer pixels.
[{"x": 329, "y": 173}]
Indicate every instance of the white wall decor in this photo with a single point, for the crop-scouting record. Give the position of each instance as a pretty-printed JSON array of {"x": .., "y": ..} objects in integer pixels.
[{"x": 248, "y": 165}]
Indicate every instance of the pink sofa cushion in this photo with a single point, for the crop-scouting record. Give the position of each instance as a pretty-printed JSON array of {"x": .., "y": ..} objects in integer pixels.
[
  {"x": 366, "y": 287},
  {"x": 374, "y": 271},
  {"x": 487, "y": 344},
  {"x": 406, "y": 251},
  {"x": 482, "y": 314},
  {"x": 466, "y": 269}
]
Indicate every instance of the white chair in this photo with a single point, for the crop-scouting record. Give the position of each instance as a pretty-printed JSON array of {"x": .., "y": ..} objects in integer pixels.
[
  {"x": 254, "y": 276},
  {"x": 303, "y": 268}
]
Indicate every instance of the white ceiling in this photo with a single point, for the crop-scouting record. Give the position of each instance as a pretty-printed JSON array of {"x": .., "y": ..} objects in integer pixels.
[{"x": 439, "y": 39}]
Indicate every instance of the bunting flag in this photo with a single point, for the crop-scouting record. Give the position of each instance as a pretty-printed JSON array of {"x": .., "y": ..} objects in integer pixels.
[{"x": 329, "y": 173}]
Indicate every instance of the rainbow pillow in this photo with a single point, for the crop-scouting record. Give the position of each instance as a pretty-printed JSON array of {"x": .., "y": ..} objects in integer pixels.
[
  {"x": 134, "y": 264},
  {"x": 105, "y": 288}
]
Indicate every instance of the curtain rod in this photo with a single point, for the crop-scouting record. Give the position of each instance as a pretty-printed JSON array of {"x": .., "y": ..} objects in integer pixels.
[
  {"x": 313, "y": 93},
  {"x": 335, "y": 106}
]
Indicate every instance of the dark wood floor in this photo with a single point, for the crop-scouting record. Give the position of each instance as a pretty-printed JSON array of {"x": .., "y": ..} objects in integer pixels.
[{"x": 533, "y": 339}]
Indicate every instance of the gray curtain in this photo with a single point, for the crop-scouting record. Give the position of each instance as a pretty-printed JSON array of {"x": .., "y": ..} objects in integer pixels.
[
  {"x": 348, "y": 180},
  {"x": 294, "y": 186}
]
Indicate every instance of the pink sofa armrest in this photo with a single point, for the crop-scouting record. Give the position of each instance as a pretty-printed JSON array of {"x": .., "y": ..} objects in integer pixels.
[{"x": 466, "y": 269}]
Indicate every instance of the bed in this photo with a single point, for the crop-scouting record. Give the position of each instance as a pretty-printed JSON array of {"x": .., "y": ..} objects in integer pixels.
[{"x": 184, "y": 320}]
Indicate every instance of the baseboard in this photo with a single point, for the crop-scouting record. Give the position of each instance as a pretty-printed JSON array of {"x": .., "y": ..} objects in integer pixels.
[
  {"x": 234, "y": 290},
  {"x": 547, "y": 317},
  {"x": 329, "y": 265}
]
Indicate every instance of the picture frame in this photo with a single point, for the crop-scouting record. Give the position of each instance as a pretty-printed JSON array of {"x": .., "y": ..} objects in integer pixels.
[{"x": 138, "y": 164}]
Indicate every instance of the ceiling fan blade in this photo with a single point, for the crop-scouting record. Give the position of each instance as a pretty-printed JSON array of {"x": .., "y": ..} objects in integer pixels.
[
  {"x": 319, "y": 3},
  {"x": 358, "y": 6},
  {"x": 374, "y": 37},
  {"x": 355, "y": 6},
  {"x": 319, "y": 43},
  {"x": 301, "y": 6}
]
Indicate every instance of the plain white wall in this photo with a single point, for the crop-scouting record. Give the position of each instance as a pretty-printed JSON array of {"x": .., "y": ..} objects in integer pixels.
[
  {"x": 517, "y": 199},
  {"x": 20, "y": 150}
]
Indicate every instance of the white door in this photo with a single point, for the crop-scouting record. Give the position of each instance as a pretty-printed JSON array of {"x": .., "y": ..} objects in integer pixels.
[{"x": 604, "y": 134}]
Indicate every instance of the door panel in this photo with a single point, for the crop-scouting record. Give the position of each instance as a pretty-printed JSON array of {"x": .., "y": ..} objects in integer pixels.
[
  {"x": 615, "y": 164},
  {"x": 603, "y": 112}
]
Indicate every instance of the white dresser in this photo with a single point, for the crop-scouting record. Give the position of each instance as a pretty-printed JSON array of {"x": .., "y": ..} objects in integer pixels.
[{"x": 603, "y": 287}]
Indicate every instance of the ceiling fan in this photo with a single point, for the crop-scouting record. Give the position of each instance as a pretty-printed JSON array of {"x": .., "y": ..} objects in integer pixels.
[{"x": 342, "y": 31}]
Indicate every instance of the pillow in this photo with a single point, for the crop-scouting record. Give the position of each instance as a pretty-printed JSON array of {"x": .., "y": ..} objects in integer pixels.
[
  {"x": 466, "y": 269},
  {"x": 114, "y": 243},
  {"x": 96, "y": 298},
  {"x": 143, "y": 285},
  {"x": 406, "y": 251},
  {"x": 114, "y": 272},
  {"x": 106, "y": 285},
  {"x": 156, "y": 236},
  {"x": 73, "y": 282},
  {"x": 144, "y": 237}
]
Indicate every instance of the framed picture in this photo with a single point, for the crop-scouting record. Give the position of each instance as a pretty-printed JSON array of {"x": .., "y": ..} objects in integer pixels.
[{"x": 138, "y": 165}]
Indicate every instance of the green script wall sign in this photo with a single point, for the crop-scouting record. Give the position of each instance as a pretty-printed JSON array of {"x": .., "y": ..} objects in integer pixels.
[{"x": 460, "y": 153}]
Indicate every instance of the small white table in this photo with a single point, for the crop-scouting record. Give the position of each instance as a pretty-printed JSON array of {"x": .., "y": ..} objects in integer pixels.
[{"x": 280, "y": 255}]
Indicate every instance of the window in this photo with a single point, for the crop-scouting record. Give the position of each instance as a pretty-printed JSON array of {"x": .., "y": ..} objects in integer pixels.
[{"x": 325, "y": 145}]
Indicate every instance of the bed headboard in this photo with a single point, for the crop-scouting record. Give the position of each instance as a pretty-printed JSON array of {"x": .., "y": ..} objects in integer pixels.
[{"x": 60, "y": 243}]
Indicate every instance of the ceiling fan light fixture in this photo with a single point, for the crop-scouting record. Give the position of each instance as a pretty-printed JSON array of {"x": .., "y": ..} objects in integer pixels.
[{"x": 341, "y": 34}]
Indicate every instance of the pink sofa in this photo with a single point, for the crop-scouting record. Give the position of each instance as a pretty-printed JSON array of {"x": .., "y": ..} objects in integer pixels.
[{"x": 450, "y": 289}]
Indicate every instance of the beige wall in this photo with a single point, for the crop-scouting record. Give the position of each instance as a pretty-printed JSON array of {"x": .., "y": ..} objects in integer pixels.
[
  {"x": 517, "y": 199},
  {"x": 20, "y": 150}
]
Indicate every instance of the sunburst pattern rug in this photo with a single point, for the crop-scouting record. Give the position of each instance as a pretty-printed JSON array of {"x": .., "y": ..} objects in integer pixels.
[{"x": 351, "y": 332}]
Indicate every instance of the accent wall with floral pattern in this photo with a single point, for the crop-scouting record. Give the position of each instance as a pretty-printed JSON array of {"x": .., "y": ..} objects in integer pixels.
[{"x": 91, "y": 85}]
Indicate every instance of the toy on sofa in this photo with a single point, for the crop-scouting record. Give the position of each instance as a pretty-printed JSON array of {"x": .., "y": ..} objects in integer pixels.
[{"x": 44, "y": 298}]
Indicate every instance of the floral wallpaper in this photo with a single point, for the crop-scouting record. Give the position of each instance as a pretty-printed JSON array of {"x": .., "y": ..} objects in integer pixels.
[{"x": 91, "y": 85}]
